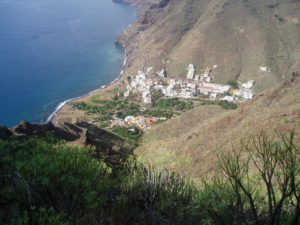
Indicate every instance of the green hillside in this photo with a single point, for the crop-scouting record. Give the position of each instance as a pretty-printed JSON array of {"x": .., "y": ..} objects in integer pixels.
[{"x": 46, "y": 181}]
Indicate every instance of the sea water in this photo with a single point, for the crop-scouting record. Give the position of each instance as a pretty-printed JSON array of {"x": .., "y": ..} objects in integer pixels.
[{"x": 53, "y": 50}]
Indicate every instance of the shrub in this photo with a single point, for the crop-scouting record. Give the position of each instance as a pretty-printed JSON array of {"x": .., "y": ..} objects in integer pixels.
[
  {"x": 233, "y": 84},
  {"x": 47, "y": 173},
  {"x": 46, "y": 182},
  {"x": 133, "y": 133},
  {"x": 174, "y": 103}
]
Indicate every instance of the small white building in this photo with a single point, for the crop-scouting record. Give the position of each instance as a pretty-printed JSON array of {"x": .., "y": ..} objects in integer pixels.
[
  {"x": 213, "y": 96},
  {"x": 141, "y": 76},
  {"x": 217, "y": 88},
  {"x": 185, "y": 93},
  {"x": 249, "y": 84},
  {"x": 245, "y": 93},
  {"x": 126, "y": 94},
  {"x": 191, "y": 72},
  {"x": 150, "y": 70},
  {"x": 205, "y": 89},
  {"x": 146, "y": 95},
  {"x": 162, "y": 73},
  {"x": 265, "y": 69},
  {"x": 128, "y": 119},
  {"x": 192, "y": 86},
  {"x": 147, "y": 100},
  {"x": 228, "y": 98},
  {"x": 159, "y": 87}
]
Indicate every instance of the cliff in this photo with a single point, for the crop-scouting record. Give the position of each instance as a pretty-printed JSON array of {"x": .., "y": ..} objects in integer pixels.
[{"x": 111, "y": 147}]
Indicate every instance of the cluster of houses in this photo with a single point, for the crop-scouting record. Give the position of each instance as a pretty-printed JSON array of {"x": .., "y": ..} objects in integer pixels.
[
  {"x": 138, "y": 121},
  {"x": 194, "y": 84},
  {"x": 244, "y": 93}
]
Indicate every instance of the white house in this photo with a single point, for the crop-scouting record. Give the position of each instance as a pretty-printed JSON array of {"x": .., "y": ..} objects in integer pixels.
[
  {"x": 191, "y": 72},
  {"x": 128, "y": 119},
  {"x": 228, "y": 98},
  {"x": 162, "y": 73},
  {"x": 147, "y": 100},
  {"x": 265, "y": 69},
  {"x": 245, "y": 93},
  {"x": 213, "y": 96},
  {"x": 150, "y": 70},
  {"x": 126, "y": 94},
  {"x": 205, "y": 89},
  {"x": 249, "y": 84}
]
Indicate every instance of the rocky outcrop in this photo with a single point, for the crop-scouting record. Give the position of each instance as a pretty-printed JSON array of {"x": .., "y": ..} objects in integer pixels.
[
  {"x": 27, "y": 129},
  {"x": 107, "y": 145},
  {"x": 4, "y": 132},
  {"x": 113, "y": 148}
]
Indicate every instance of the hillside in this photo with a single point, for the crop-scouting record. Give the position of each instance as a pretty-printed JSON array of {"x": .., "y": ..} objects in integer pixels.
[
  {"x": 190, "y": 143},
  {"x": 47, "y": 181},
  {"x": 239, "y": 36},
  {"x": 111, "y": 159}
]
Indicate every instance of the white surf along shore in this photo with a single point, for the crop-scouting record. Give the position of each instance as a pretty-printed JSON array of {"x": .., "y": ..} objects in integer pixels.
[{"x": 60, "y": 105}]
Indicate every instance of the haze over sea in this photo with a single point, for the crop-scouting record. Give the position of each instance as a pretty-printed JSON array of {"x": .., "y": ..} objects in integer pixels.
[{"x": 53, "y": 50}]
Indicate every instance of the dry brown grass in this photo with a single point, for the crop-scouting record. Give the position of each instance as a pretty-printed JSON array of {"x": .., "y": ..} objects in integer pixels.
[
  {"x": 198, "y": 136},
  {"x": 239, "y": 36}
]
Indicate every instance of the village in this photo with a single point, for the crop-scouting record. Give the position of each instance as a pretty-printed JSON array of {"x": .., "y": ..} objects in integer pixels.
[
  {"x": 151, "y": 97},
  {"x": 194, "y": 86}
]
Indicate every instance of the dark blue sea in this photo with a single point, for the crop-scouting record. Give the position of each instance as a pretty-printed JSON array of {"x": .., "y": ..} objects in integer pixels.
[{"x": 53, "y": 50}]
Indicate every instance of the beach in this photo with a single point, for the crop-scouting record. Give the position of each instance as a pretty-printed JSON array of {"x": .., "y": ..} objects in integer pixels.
[{"x": 53, "y": 116}]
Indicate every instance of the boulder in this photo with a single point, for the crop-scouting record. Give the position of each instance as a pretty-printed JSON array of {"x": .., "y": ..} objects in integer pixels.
[
  {"x": 28, "y": 128},
  {"x": 4, "y": 132}
]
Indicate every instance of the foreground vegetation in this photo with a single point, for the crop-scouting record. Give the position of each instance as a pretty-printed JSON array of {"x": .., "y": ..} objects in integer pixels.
[{"x": 51, "y": 182}]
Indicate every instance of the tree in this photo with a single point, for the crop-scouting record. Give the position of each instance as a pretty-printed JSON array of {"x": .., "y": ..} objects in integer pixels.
[
  {"x": 233, "y": 84},
  {"x": 272, "y": 195}
]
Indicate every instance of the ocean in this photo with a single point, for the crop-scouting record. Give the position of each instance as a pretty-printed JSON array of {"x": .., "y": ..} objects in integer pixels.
[{"x": 53, "y": 50}]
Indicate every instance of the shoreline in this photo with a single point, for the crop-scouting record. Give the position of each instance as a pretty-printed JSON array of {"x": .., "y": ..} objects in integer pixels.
[{"x": 52, "y": 116}]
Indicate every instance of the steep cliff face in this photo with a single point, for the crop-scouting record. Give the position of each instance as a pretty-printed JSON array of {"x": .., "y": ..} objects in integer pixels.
[{"x": 239, "y": 36}]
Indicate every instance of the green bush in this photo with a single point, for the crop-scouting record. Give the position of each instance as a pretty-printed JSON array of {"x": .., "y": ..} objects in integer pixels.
[
  {"x": 174, "y": 103},
  {"x": 233, "y": 84},
  {"x": 48, "y": 173},
  {"x": 133, "y": 133},
  {"x": 49, "y": 182},
  {"x": 41, "y": 216}
]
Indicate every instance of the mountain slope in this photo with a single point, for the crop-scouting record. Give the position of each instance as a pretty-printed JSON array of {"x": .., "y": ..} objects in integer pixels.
[
  {"x": 239, "y": 36},
  {"x": 191, "y": 142}
]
